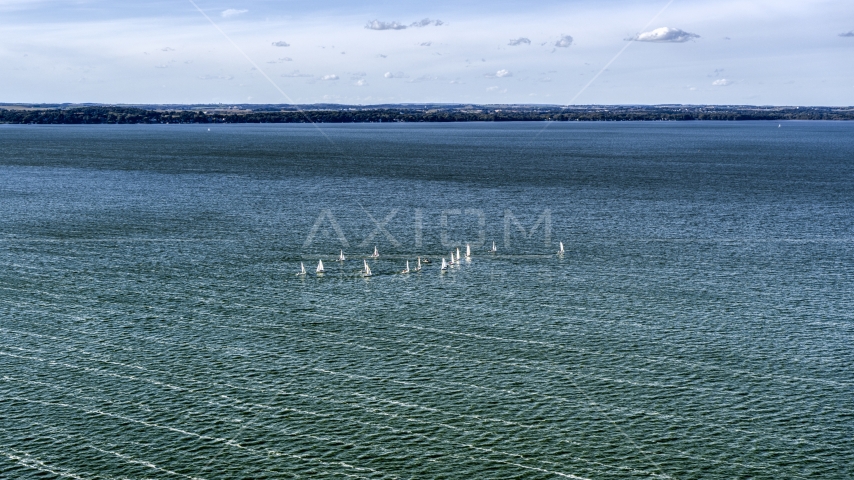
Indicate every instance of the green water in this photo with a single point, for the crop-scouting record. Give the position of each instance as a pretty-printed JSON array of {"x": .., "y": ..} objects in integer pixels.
[{"x": 699, "y": 324}]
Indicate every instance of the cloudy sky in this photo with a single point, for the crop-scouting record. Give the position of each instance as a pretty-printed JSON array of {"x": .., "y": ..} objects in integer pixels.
[{"x": 779, "y": 52}]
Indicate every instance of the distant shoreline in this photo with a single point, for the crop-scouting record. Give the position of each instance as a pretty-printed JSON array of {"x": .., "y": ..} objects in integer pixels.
[{"x": 55, "y": 114}]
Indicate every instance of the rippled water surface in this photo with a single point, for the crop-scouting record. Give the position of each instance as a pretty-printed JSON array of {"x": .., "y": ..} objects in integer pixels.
[{"x": 699, "y": 324}]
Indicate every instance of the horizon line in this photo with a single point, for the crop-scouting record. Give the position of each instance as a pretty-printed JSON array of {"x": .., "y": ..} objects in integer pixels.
[{"x": 409, "y": 104}]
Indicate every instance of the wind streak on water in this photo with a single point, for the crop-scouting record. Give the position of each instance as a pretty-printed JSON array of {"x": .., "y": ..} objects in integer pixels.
[
  {"x": 524, "y": 366},
  {"x": 440, "y": 440}
]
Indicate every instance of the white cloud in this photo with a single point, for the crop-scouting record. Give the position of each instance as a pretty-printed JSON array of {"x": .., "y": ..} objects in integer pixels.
[
  {"x": 665, "y": 34},
  {"x": 502, "y": 73},
  {"x": 161, "y": 66},
  {"x": 496, "y": 89},
  {"x": 847, "y": 34},
  {"x": 426, "y": 44},
  {"x": 167, "y": 49},
  {"x": 329, "y": 77},
  {"x": 361, "y": 83},
  {"x": 425, "y": 78},
  {"x": 427, "y": 22},
  {"x": 216, "y": 77},
  {"x": 395, "y": 75},
  {"x": 723, "y": 82},
  {"x": 280, "y": 60},
  {"x": 296, "y": 73},
  {"x": 379, "y": 25},
  {"x": 565, "y": 41},
  {"x": 519, "y": 41},
  {"x": 232, "y": 12},
  {"x": 281, "y": 43}
]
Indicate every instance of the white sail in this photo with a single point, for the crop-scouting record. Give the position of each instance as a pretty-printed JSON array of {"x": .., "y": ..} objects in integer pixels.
[
  {"x": 493, "y": 248},
  {"x": 341, "y": 257},
  {"x": 301, "y": 269},
  {"x": 367, "y": 271},
  {"x": 444, "y": 264},
  {"x": 320, "y": 266},
  {"x": 561, "y": 248},
  {"x": 406, "y": 270},
  {"x": 452, "y": 259},
  {"x": 468, "y": 251},
  {"x": 376, "y": 253},
  {"x": 418, "y": 265},
  {"x": 458, "y": 255}
]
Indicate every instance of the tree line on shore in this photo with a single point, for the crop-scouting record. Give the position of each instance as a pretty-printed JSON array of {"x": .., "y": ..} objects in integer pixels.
[{"x": 133, "y": 115}]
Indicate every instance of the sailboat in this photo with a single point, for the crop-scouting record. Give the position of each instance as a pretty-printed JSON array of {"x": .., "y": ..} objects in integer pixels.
[
  {"x": 320, "y": 270},
  {"x": 341, "y": 257},
  {"x": 444, "y": 264},
  {"x": 560, "y": 252},
  {"x": 452, "y": 259},
  {"x": 418, "y": 265},
  {"x": 468, "y": 251},
  {"x": 367, "y": 271},
  {"x": 406, "y": 270},
  {"x": 493, "y": 250},
  {"x": 301, "y": 269},
  {"x": 376, "y": 253},
  {"x": 458, "y": 255}
]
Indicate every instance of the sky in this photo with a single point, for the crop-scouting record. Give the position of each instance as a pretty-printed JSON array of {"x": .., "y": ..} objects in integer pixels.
[{"x": 756, "y": 52}]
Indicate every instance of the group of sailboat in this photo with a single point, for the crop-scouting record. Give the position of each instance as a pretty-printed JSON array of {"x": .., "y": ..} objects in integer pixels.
[
  {"x": 417, "y": 266},
  {"x": 366, "y": 271},
  {"x": 455, "y": 258},
  {"x": 319, "y": 270}
]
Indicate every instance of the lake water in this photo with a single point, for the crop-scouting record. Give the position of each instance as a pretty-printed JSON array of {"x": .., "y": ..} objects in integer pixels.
[{"x": 699, "y": 325}]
